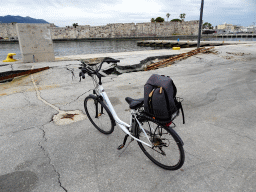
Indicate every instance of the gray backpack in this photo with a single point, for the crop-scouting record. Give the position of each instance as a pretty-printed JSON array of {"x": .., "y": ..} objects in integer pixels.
[{"x": 160, "y": 100}]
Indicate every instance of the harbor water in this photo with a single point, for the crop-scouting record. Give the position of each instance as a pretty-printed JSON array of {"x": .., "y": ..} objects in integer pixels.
[{"x": 66, "y": 48}]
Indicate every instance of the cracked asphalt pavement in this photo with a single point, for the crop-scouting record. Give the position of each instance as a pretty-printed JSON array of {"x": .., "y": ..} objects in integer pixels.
[{"x": 219, "y": 93}]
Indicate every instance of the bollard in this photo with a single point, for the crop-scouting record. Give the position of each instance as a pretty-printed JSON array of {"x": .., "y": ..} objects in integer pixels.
[{"x": 9, "y": 57}]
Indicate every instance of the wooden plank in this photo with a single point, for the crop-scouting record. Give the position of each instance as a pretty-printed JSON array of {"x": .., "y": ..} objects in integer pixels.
[{"x": 170, "y": 60}]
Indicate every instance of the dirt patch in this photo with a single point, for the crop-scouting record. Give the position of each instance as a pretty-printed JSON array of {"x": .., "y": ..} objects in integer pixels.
[{"x": 68, "y": 117}]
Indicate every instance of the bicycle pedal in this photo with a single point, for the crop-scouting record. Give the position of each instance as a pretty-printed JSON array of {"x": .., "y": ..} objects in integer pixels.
[{"x": 120, "y": 147}]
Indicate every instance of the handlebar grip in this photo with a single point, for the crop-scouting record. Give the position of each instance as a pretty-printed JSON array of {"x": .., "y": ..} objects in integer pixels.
[
  {"x": 117, "y": 61},
  {"x": 81, "y": 74}
]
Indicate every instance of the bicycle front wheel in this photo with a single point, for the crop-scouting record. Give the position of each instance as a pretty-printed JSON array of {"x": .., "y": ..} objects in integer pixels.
[
  {"x": 99, "y": 114},
  {"x": 167, "y": 152}
]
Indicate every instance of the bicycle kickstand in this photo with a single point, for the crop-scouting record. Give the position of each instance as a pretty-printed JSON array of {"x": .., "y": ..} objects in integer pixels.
[{"x": 122, "y": 145}]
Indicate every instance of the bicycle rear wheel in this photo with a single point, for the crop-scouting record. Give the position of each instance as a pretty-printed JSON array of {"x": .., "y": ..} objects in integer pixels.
[
  {"x": 99, "y": 114},
  {"x": 167, "y": 152}
]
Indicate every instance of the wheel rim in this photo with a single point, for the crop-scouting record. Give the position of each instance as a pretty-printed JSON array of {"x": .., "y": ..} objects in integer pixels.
[
  {"x": 98, "y": 115},
  {"x": 166, "y": 152}
]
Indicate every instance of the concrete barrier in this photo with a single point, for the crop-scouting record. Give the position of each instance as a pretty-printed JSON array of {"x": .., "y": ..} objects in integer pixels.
[{"x": 35, "y": 42}]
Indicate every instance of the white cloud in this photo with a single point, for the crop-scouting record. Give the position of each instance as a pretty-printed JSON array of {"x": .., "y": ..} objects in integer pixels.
[
  {"x": 101, "y": 12},
  {"x": 134, "y": 6}
]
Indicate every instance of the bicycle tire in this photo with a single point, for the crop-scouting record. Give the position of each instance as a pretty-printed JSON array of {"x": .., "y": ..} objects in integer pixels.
[
  {"x": 168, "y": 152},
  {"x": 99, "y": 114}
]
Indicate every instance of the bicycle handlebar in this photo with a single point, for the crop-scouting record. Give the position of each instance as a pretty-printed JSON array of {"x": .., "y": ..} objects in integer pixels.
[
  {"x": 91, "y": 71},
  {"x": 107, "y": 60}
]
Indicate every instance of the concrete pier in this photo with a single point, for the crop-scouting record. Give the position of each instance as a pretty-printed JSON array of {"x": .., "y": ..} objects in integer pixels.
[
  {"x": 219, "y": 92},
  {"x": 185, "y": 44}
]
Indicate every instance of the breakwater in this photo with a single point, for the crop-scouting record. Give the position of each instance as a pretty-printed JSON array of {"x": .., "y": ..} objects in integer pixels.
[{"x": 184, "y": 44}]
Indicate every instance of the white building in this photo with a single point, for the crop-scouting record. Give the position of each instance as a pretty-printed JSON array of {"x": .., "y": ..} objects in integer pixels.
[
  {"x": 226, "y": 28},
  {"x": 251, "y": 29}
]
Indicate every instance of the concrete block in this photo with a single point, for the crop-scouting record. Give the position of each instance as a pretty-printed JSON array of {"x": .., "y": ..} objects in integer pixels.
[{"x": 35, "y": 42}]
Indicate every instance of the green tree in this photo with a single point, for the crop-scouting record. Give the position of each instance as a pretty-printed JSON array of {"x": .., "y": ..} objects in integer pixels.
[
  {"x": 182, "y": 16},
  {"x": 75, "y": 25},
  {"x": 168, "y": 15},
  {"x": 152, "y": 20},
  {"x": 207, "y": 25},
  {"x": 159, "y": 19},
  {"x": 175, "y": 20}
]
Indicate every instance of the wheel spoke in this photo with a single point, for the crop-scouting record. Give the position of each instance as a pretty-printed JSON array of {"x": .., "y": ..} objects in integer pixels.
[{"x": 166, "y": 152}]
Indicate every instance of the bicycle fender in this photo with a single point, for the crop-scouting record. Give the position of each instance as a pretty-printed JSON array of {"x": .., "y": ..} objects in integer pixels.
[
  {"x": 100, "y": 99},
  {"x": 177, "y": 137},
  {"x": 95, "y": 97}
]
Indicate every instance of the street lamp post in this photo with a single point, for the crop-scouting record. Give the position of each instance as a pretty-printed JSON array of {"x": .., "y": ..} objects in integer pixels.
[{"x": 200, "y": 24}]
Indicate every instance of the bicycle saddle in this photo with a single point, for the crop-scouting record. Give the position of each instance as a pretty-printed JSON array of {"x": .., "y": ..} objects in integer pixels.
[{"x": 134, "y": 103}]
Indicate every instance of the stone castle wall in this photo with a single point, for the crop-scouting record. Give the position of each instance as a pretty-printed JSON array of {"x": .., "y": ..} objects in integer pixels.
[
  {"x": 117, "y": 30},
  {"x": 8, "y": 30}
]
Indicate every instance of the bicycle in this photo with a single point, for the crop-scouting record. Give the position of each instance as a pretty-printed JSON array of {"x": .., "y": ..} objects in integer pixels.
[{"x": 158, "y": 141}]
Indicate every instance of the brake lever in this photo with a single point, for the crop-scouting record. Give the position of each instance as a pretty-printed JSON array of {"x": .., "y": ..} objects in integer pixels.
[{"x": 81, "y": 74}]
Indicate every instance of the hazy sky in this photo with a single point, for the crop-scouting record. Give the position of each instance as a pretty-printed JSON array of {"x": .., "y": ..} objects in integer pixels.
[{"x": 102, "y": 12}]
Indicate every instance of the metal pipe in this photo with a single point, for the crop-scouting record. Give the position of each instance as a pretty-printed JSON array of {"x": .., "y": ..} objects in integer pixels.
[{"x": 200, "y": 24}]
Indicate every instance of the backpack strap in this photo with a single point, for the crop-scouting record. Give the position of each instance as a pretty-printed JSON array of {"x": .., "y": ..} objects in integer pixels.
[
  {"x": 151, "y": 110},
  {"x": 174, "y": 90},
  {"x": 179, "y": 105}
]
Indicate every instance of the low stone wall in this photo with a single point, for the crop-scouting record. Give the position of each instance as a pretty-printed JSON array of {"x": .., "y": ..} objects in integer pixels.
[{"x": 117, "y": 30}]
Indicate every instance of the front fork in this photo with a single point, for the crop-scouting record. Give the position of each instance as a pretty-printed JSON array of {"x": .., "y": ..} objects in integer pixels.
[
  {"x": 97, "y": 114},
  {"x": 96, "y": 102}
]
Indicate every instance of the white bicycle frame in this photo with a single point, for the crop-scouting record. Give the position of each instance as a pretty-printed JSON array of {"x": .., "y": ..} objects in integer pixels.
[{"x": 124, "y": 126}]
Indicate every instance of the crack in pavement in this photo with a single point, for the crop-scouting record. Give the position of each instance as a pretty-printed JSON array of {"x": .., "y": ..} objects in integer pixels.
[
  {"x": 72, "y": 72},
  {"x": 40, "y": 98},
  {"x": 13, "y": 132},
  {"x": 26, "y": 97},
  {"x": 49, "y": 159},
  {"x": 4, "y": 65},
  {"x": 33, "y": 127},
  {"x": 29, "y": 128},
  {"x": 78, "y": 97},
  {"x": 11, "y": 65},
  {"x": 233, "y": 131},
  {"x": 58, "y": 117}
]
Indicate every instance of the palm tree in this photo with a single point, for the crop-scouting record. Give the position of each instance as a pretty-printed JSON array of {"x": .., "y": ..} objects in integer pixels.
[
  {"x": 152, "y": 20},
  {"x": 182, "y": 16},
  {"x": 75, "y": 25},
  {"x": 168, "y": 15}
]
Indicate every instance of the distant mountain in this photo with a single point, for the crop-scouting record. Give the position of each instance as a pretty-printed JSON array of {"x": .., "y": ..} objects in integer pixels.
[{"x": 19, "y": 19}]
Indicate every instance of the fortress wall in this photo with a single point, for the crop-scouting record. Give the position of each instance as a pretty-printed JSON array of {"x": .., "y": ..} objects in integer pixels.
[
  {"x": 116, "y": 30},
  {"x": 8, "y": 30}
]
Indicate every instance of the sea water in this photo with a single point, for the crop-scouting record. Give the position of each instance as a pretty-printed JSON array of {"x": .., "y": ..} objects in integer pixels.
[{"x": 66, "y": 48}]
